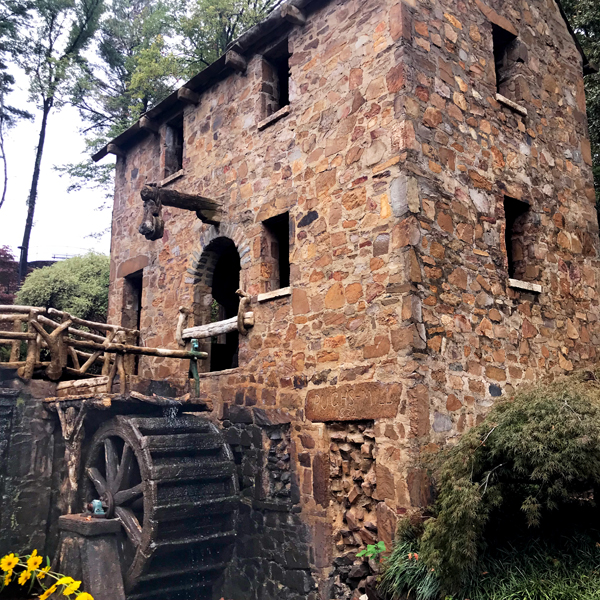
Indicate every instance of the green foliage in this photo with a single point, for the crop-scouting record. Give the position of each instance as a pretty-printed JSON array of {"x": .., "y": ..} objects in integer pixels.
[
  {"x": 531, "y": 457},
  {"x": 405, "y": 574},
  {"x": 78, "y": 286},
  {"x": 568, "y": 569},
  {"x": 206, "y": 27},
  {"x": 146, "y": 49},
  {"x": 584, "y": 16},
  {"x": 372, "y": 550}
]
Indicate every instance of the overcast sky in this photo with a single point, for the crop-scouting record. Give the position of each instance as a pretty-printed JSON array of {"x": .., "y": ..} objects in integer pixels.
[{"x": 62, "y": 220}]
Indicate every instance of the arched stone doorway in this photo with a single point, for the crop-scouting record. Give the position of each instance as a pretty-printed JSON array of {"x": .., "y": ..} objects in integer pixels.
[{"x": 215, "y": 299}]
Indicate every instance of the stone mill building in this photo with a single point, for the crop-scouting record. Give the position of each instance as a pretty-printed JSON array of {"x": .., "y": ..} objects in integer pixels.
[{"x": 402, "y": 191}]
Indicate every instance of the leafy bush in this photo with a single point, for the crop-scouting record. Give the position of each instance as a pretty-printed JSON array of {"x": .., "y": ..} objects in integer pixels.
[
  {"x": 531, "y": 459},
  {"x": 78, "y": 285}
]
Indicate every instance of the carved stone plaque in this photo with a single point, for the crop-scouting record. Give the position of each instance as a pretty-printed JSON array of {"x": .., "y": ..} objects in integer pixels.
[{"x": 354, "y": 401}]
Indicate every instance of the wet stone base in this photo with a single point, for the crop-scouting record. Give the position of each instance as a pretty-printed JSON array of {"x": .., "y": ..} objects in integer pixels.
[
  {"x": 28, "y": 475},
  {"x": 273, "y": 554}
]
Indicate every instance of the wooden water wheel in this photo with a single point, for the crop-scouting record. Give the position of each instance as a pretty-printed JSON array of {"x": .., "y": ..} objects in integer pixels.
[{"x": 173, "y": 486}]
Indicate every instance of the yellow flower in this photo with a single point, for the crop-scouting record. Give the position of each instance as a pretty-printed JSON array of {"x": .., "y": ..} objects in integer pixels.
[
  {"x": 65, "y": 581},
  {"x": 7, "y": 577},
  {"x": 24, "y": 577},
  {"x": 48, "y": 592},
  {"x": 42, "y": 573},
  {"x": 9, "y": 562},
  {"x": 84, "y": 596},
  {"x": 72, "y": 588},
  {"x": 34, "y": 561}
]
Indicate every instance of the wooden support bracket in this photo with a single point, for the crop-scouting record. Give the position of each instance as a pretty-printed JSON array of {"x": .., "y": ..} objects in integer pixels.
[
  {"x": 186, "y": 95},
  {"x": 114, "y": 149},
  {"x": 148, "y": 125},
  {"x": 235, "y": 61},
  {"x": 292, "y": 14}
]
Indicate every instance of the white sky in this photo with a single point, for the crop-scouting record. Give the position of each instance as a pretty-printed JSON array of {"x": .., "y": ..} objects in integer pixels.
[{"x": 62, "y": 220}]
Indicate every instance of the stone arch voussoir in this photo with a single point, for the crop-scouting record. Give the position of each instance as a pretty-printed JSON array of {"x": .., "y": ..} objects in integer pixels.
[{"x": 203, "y": 261}]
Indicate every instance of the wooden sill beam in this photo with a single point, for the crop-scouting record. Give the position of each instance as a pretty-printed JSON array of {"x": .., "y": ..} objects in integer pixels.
[{"x": 201, "y": 332}]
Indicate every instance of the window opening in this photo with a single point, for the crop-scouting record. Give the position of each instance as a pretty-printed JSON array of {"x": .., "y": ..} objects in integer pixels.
[
  {"x": 174, "y": 146},
  {"x": 131, "y": 316},
  {"x": 275, "y": 252},
  {"x": 276, "y": 83},
  {"x": 516, "y": 212},
  {"x": 226, "y": 282},
  {"x": 504, "y": 41}
]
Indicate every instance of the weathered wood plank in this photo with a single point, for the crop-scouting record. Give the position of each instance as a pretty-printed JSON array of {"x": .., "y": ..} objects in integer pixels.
[{"x": 210, "y": 329}]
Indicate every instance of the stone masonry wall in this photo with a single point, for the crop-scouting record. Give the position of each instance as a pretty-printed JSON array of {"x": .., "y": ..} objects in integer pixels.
[
  {"x": 394, "y": 163},
  {"x": 28, "y": 474}
]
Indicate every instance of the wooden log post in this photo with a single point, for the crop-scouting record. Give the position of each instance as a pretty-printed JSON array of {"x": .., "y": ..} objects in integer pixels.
[
  {"x": 15, "y": 348},
  {"x": 33, "y": 347},
  {"x": 71, "y": 423},
  {"x": 182, "y": 320}
]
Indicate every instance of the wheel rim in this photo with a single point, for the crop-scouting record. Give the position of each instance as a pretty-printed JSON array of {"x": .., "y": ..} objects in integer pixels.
[{"x": 113, "y": 468}]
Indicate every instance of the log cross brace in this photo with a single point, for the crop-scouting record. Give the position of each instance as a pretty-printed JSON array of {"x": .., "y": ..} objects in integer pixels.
[
  {"x": 57, "y": 347},
  {"x": 154, "y": 197}
]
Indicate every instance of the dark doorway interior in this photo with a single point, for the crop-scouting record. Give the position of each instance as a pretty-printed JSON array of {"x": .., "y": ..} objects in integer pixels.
[
  {"x": 226, "y": 281},
  {"x": 131, "y": 316}
]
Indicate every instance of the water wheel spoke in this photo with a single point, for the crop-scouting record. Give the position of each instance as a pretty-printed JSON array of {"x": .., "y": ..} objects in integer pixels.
[
  {"x": 130, "y": 524},
  {"x": 124, "y": 470},
  {"x": 125, "y": 496},
  {"x": 111, "y": 461},
  {"x": 96, "y": 478}
]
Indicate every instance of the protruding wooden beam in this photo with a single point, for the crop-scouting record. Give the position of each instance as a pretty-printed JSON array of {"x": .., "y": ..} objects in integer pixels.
[
  {"x": 148, "y": 124},
  {"x": 235, "y": 61},
  {"x": 186, "y": 95},
  {"x": 114, "y": 149},
  {"x": 207, "y": 210},
  {"x": 292, "y": 14}
]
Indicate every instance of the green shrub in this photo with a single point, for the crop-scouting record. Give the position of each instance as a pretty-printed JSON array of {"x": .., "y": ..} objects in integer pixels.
[
  {"x": 78, "y": 285},
  {"x": 531, "y": 458}
]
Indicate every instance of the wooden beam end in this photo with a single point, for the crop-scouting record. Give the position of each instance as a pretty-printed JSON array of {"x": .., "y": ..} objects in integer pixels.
[
  {"x": 235, "y": 61},
  {"x": 292, "y": 14}
]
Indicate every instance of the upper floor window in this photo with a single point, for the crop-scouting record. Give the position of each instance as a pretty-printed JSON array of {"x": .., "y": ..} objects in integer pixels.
[
  {"x": 517, "y": 216},
  {"x": 510, "y": 54},
  {"x": 174, "y": 145},
  {"x": 276, "y": 79},
  {"x": 275, "y": 252}
]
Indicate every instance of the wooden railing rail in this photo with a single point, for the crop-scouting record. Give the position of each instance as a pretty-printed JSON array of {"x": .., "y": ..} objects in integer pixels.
[{"x": 58, "y": 334}]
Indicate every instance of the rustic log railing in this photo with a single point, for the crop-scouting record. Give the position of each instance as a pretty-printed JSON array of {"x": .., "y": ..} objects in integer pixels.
[
  {"x": 240, "y": 323},
  {"x": 59, "y": 334}
]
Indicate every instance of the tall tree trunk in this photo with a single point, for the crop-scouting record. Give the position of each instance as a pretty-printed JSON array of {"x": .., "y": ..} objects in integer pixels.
[{"x": 33, "y": 191}]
